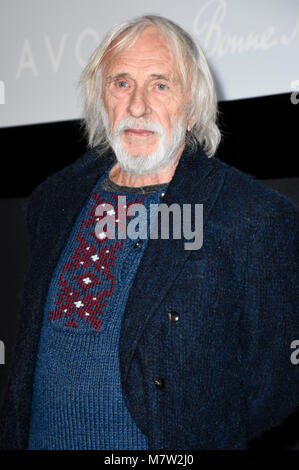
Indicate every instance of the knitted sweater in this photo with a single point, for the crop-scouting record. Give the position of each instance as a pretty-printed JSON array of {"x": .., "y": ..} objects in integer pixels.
[{"x": 77, "y": 397}]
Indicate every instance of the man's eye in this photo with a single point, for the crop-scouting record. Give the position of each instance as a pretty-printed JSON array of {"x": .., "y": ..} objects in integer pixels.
[
  {"x": 121, "y": 84},
  {"x": 162, "y": 86}
]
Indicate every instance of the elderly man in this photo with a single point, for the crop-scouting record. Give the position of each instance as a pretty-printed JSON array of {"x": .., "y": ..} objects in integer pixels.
[{"x": 140, "y": 343}]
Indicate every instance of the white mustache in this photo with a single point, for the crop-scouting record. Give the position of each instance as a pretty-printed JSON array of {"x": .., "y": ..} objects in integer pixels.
[{"x": 131, "y": 124}]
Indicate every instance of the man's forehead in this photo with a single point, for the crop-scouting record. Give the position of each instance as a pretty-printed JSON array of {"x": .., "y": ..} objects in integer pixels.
[
  {"x": 153, "y": 67},
  {"x": 150, "y": 48}
]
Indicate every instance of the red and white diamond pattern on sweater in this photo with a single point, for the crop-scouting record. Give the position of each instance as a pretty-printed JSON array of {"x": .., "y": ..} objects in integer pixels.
[{"x": 87, "y": 280}]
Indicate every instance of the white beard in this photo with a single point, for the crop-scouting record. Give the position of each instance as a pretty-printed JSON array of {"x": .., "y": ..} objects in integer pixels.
[{"x": 145, "y": 164}]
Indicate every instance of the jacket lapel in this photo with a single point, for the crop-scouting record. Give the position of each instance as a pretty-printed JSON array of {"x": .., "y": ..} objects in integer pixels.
[
  {"x": 197, "y": 179},
  {"x": 65, "y": 198}
]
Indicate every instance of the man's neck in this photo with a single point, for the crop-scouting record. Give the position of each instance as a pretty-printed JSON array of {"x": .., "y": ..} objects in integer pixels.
[{"x": 162, "y": 175}]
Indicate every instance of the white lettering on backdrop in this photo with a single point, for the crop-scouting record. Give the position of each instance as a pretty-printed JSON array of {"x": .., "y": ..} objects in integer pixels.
[
  {"x": 27, "y": 61},
  {"x": 208, "y": 28}
]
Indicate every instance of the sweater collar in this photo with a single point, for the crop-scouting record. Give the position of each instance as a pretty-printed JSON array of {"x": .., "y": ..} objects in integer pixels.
[{"x": 191, "y": 168}]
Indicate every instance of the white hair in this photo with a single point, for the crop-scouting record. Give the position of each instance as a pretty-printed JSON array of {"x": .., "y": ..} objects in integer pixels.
[{"x": 191, "y": 62}]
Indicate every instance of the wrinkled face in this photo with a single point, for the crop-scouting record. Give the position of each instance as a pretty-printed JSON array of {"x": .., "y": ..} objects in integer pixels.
[{"x": 143, "y": 94}]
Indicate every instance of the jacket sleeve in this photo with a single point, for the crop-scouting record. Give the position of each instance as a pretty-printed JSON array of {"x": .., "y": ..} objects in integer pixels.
[
  {"x": 272, "y": 372},
  {"x": 9, "y": 425}
]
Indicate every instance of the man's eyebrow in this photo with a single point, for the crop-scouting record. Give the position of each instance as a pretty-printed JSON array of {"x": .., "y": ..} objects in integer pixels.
[
  {"x": 154, "y": 76},
  {"x": 116, "y": 77},
  {"x": 159, "y": 76}
]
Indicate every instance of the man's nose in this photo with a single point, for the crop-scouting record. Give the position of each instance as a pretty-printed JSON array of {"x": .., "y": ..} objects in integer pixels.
[{"x": 138, "y": 105}]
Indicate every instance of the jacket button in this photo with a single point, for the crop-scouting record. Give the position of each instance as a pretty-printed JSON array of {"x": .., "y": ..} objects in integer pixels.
[
  {"x": 138, "y": 243},
  {"x": 173, "y": 316},
  {"x": 162, "y": 196},
  {"x": 159, "y": 382}
]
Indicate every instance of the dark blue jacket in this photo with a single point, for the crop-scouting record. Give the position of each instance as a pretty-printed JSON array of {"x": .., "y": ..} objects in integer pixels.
[{"x": 226, "y": 360}]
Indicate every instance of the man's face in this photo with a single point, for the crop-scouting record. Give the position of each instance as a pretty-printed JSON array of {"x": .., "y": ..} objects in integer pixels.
[{"x": 144, "y": 101}]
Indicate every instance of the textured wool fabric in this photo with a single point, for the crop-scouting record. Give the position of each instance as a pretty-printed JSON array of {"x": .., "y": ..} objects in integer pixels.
[
  {"x": 109, "y": 185},
  {"x": 77, "y": 397},
  {"x": 225, "y": 362}
]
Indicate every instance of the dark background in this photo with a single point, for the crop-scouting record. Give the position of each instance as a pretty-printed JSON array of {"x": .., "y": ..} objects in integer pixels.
[{"x": 260, "y": 137}]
